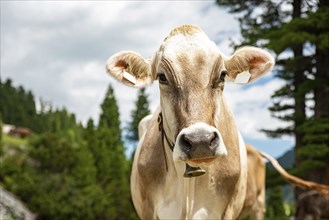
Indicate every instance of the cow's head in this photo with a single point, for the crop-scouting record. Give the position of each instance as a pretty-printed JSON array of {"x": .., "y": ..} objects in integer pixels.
[{"x": 191, "y": 72}]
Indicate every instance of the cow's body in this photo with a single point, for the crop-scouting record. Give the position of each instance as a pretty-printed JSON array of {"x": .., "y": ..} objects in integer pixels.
[
  {"x": 254, "y": 203},
  {"x": 197, "y": 129},
  {"x": 175, "y": 197},
  {"x": 312, "y": 206}
]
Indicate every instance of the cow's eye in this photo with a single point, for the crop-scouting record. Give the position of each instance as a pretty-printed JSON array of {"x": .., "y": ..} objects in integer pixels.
[
  {"x": 162, "y": 78},
  {"x": 222, "y": 75},
  {"x": 219, "y": 82}
]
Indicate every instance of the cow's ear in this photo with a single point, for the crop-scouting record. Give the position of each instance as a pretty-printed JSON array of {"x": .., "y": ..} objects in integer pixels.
[
  {"x": 248, "y": 64},
  {"x": 130, "y": 68}
]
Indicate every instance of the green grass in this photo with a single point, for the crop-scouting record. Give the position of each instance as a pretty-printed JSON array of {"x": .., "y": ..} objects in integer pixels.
[{"x": 9, "y": 141}]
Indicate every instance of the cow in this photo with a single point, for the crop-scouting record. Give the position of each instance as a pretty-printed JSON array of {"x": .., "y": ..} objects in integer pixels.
[
  {"x": 311, "y": 205},
  {"x": 19, "y": 132},
  {"x": 254, "y": 203},
  {"x": 192, "y": 129}
]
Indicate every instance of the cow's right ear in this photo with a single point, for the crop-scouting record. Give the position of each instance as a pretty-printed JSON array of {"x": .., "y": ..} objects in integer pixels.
[{"x": 130, "y": 68}]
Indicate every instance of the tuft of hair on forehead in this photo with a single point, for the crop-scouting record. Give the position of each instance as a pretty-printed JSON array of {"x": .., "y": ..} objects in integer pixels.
[{"x": 185, "y": 30}]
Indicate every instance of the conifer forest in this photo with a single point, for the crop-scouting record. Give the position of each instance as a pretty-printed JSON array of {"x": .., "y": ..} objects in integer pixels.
[{"x": 64, "y": 170}]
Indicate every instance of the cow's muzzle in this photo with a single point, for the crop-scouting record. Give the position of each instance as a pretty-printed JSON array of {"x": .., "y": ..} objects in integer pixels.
[{"x": 199, "y": 143}]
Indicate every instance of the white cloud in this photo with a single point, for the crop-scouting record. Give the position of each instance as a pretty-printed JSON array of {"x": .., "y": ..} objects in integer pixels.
[
  {"x": 250, "y": 107},
  {"x": 58, "y": 49},
  {"x": 50, "y": 47}
]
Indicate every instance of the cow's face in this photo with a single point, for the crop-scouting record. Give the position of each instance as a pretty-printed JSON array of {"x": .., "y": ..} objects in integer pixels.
[{"x": 191, "y": 72}]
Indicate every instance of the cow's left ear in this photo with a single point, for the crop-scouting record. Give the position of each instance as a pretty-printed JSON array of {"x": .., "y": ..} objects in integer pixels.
[
  {"x": 130, "y": 68},
  {"x": 248, "y": 64}
]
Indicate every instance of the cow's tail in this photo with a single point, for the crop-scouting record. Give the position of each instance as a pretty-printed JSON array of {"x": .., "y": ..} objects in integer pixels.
[{"x": 321, "y": 188}]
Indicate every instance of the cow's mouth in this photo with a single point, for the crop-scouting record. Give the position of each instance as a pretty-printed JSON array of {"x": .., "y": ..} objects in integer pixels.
[{"x": 203, "y": 161}]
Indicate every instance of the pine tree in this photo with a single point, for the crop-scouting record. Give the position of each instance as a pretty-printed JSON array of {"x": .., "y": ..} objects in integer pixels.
[
  {"x": 89, "y": 134},
  {"x": 32, "y": 121},
  {"x": 141, "y": 110},
  {"x": 311, "y": 30},
  {"x": 1, "y": 144},
  {"x": 275, "y": 209},
  {"x": 315, "y": 152},
  {"x": 17, "y": 106},
  {"x": 111, "y": 162},
  {"x": 7, "y": 101},
  {"x": 108, "y": 136}
]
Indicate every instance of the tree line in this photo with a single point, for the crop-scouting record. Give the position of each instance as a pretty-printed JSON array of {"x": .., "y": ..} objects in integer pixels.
[
  {"x": 67, "y": 170},
  {"x": 296, "y": 31}
]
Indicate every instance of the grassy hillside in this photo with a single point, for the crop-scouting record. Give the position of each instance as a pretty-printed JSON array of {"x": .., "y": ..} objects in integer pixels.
[{"x": 10, "y": 141}]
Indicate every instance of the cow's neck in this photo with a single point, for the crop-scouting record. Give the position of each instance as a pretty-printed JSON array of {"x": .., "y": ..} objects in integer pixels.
[
  {"x": 189, "y": 189},
  {"x": 176, "y": 171},
  {"x": 226, "y": 172}
]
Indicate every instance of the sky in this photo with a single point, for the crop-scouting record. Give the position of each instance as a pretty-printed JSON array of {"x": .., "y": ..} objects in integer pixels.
[{"x": 58, "y": 50}]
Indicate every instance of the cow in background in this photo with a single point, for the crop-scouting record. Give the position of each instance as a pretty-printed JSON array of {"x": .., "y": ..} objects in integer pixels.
[{"x": 12, "y": 130}]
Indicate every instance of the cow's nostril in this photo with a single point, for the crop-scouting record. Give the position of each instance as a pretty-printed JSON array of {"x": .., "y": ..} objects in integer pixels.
[
  {"x": 214, "y": 141},
  {"x": 185, "y": 143}
]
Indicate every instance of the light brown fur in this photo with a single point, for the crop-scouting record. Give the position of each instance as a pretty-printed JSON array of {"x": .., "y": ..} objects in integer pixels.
[
  {"x": 185, "y": 30},
  {"x": 192, "y": 95},
  {"x": 294, "y": 180},
  {"x": 247, "y": 58},
  {"x": 254, "y": 204},
  {"x": 132, "y": 63}
]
